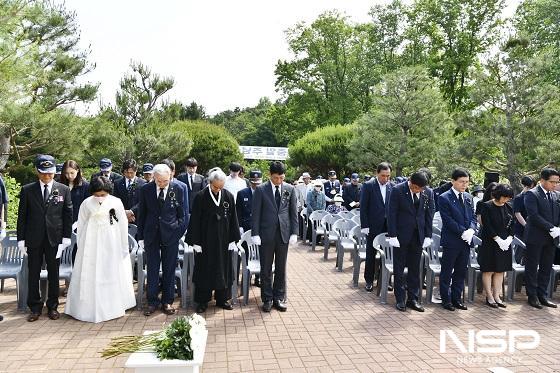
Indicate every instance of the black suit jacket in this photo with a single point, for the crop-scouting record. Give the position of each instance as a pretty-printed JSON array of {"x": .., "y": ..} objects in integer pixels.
[
  {"x": 35, "y": 219},
  {"x": 351, "y": 193},
  {"x": 199, "y": 183},
  {"x": 129, "y": 198},
  {"x": 541, "y": 216},
  {"x": 404, "y": 220}
]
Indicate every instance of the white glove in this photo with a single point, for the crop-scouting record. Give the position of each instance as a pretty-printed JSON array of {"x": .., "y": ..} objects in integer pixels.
[
  {"x": 75, "y": 226},
  {"x": 394, "y": 241},
  {"x": 365, "y": 230},
  {"x": 241, "y": 230},
  {"x": 231, "y": 246},
  {"x": 197, "y": 248},
  {"x": 501, "y": 243},
  {"x": 427, "y": 242},
  {"x": 293, "y": 239},
  {"x": 256, "y": 240},
  {"x": 468, "y": 235},
  {"x": 3, "y": 225},
  {"x": 66, "y": 242},
  {"x": 141, "y": 244},
  {"x": 22, "y": 248},
  {"x": 555, "y": 232},
  {"x": 60, "y": 250}
]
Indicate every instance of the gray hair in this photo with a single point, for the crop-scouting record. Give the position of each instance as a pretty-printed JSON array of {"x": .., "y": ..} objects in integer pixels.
[
  {"x": 216, "y": 174},
  {"x": 162, "y": 169}
]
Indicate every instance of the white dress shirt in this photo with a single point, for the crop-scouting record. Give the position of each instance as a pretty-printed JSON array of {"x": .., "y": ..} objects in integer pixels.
[
  {"x": 383, "y": 188},
  {"x": 164, "y": 191}
]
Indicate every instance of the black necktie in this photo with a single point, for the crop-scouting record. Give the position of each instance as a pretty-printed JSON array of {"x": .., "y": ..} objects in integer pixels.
[
  {"x": 416, "y": 201},
  {"x": 549, "y": 197},
  {"x": 191, "y": 183},
  {"x": 277, "y": 196},
  {"x": 461, "y": 200},
  {"x": 45, "y": 194},
  {"x": 161, "y": 197}
]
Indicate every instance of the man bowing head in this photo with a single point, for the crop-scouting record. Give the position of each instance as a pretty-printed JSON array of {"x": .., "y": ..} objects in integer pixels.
[
  {"x": 163, "y": 215},
  {"x": 275, "y": 225}
]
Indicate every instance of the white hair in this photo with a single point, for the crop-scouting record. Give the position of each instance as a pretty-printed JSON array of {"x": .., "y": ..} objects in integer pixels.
[
  {"x": 216, "y": 174},
  {"x": 162, "y": 169}
]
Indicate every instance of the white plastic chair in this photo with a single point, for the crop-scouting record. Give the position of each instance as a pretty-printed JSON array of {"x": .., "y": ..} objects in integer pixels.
[
  {"x": 360, "y": 242},
  {"x": 253, "y": 266},
  {"x": 330, "y": 235},
  {"x": 516, "y": 268},
  {"x": 13, "y": 265},
  {"x": 344, "y": 242},
  {"x": 316, "y": 228}
]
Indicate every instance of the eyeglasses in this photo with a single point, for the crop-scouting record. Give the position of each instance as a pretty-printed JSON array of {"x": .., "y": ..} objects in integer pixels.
[{"x": 553, "y": 181}]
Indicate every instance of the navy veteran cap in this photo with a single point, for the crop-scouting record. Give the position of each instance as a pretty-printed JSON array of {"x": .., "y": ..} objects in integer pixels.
[
  {"x": 148, "y": 168},
  {"x": 105, "y": 164},
  {"x": 255, "y": 176},
  {"x": 346, "y": 180},
  {"x": 45, "y": 164},
  {"x": 355, "y": 176},
  {"x": 332, "y": 173}
]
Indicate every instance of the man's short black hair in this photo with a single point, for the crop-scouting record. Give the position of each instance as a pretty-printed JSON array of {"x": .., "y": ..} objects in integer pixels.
[
  {"x": 419, "y": 179},
  {"x": 129, "y": 163},
  {"x": 427, "y": 172},
  {"x": 527, "y": 181},
  {"x": 169, "y": 163},
  {"x": 384, "y": 166},
  {"x": 235, "y": 167},
  {"x": 458, "y": 173},
  {"x": 192, "y": 162},
  {"x": 100, "y": 183},
  {"x": 277, "y": 167},
  {"x": 547, "y": 172},
  {"x": 502, "y": 190}
]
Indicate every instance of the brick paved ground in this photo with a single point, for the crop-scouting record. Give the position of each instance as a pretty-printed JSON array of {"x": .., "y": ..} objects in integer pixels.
[{"x": 329, "y": 327}]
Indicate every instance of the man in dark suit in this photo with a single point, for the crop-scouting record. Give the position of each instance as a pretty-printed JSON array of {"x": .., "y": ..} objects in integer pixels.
[
  {"x": 541, "y": 230},
  {"x": 409, "y": 223},
  {"x": 351, "y": 193},
  {"x": 105, "y": 169},
  {"x": 44, "y": 228},
  {"x": 457, "y": 231},
  {"x": 194, "y": 181},
  {"x": 163, "y": 215},
  {"x": 275, "y": 226},
  {"x": 127, "y": 189},
  {"x": 373, "y": 214},
  {"x": 331, "y": 187}
]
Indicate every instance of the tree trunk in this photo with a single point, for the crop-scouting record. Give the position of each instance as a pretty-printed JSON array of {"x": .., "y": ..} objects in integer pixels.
[{"x": 4, "y": 148}]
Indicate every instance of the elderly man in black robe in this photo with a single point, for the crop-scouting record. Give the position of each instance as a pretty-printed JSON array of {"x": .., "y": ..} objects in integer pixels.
[{"x": 213, "y": 231}]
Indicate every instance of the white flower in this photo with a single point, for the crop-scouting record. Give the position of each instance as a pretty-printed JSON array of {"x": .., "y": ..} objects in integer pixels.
[{"x": 195, "y": 320}]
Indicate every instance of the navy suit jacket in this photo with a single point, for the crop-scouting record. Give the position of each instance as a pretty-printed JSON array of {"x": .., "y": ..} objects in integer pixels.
[
  {"x": 243, "y": 208},
  {"x": 540, "y": 216},
  {"x": 199, "y": 183},
  {"x": 327, "y": 187},
  {"x": 129, "y": 198},
  {"x": 403, "y": 218},
  {"x": 455, "y": 220},
  {"x": 373, "y": 211},
  {"x": 351, "y": 193},
  {"x": 170, "y": 221}
]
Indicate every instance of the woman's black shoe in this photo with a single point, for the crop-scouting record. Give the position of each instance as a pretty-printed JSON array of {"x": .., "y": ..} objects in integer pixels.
[
  {"x": 501, "y": 305},
  {"x": 493, "y": 305},
  {"x": 201, "y": 308}
]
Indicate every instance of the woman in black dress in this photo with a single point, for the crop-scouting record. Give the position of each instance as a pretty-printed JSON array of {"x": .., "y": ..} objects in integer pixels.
[{"x": 494, "y": 255}]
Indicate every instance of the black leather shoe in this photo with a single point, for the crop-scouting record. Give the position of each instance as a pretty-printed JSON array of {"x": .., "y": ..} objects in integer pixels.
[
  {"x": 280, "y": 305},
  {"x": 168, "y": 309},
  {"x": 401, "y": 307},
  {"x": 501, "y": 305},
  {"x": 459, "y": 306},
  {"x": 389, "y": 288},
  {"x": 545, "y": 302},
  {"x": 53, "y": 314},
  {"x": 449, "y": 307},
  {"x": 267, "y": 306},
  {"x": 413, "y": 304},
  {"x": 33, "y": 316},
  {"x": 492, "y": 305},
  {"x": 149, "y": 310},
  {"x": 534, "y": 302},
  {"x": 226, "y": 305},
  {"x": 257, "y": 282},
  {"x": 201, "y": 308},
  {"x": 369, "y": 287}
]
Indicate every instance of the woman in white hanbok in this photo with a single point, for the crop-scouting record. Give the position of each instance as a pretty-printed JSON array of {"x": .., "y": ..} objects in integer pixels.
[{"x": 101, "y": 285}]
